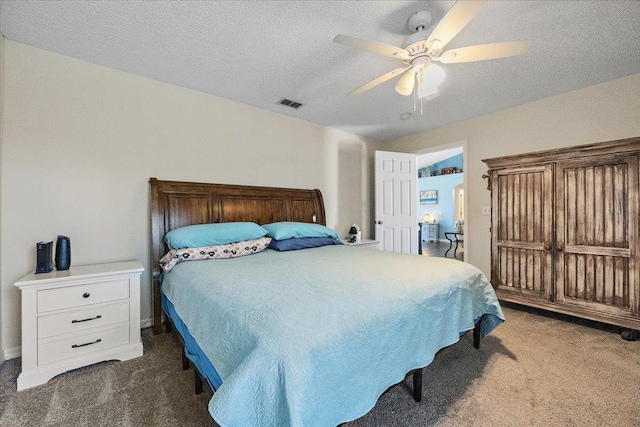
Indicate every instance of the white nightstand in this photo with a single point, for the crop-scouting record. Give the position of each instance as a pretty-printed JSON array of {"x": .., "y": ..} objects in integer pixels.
[
  {"x": 78, "y": 317},
  {"x": 430, "y": 232},
  {"x": 364, "y": 243}
]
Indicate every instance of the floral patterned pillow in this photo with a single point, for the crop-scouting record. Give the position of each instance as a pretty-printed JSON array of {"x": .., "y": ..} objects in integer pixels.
[{"x": 230, "y": 250}]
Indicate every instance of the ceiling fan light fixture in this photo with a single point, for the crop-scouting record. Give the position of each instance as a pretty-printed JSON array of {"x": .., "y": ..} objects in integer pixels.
[
  {"x": 405, "y": 84},
  {"x": 433, "y": 74},
  {"x": 430, "y": 93},
  {"x": 429, "y": 79}
]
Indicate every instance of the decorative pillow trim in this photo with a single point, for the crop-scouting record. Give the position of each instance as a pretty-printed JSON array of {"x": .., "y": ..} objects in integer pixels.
[{"x": 230, "y": 250}]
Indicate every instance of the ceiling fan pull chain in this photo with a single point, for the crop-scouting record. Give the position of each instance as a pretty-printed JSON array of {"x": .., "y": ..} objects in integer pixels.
[
  {"x": 420, "y": 77},
  {"x": 414, "y": 100}
]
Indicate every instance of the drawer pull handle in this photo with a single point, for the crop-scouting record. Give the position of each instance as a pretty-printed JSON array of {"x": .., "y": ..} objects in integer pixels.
[
  {"x": 89, "y": 343},
  {"x": 86, "y": 320},
  {"x": 86, "y": 295}
]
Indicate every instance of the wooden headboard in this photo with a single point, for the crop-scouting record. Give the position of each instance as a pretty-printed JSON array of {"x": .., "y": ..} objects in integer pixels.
[{"x": 177, "y": 204}]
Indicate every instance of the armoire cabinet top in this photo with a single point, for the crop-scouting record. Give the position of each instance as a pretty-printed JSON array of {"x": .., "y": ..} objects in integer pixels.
[{"x": 621, "y": 146}]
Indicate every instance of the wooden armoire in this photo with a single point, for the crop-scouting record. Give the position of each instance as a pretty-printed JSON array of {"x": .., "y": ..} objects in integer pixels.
[{"x": 564, "y": 231}]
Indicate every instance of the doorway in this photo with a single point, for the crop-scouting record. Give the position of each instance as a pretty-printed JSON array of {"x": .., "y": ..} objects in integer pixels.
[{"x": 442, "y": 199}]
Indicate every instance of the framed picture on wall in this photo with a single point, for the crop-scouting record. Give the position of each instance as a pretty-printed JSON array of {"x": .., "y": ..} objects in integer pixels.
[{"x": 429, "y": 197}]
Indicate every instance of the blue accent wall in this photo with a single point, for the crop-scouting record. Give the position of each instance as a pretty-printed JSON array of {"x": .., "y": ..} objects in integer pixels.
[
  {"x": 455, "y": 161},
  {"x": 443, "y": 211}
]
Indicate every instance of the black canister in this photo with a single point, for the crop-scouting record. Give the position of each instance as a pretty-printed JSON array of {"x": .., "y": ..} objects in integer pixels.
[{"x": 63, "y": 253}]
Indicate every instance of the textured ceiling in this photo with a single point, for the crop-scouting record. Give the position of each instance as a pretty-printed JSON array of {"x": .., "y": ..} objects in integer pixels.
[{"x": 257, "y": 52}]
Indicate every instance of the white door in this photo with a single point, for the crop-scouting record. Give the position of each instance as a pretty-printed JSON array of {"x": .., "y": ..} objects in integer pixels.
[{"x": 396, "y": 212}]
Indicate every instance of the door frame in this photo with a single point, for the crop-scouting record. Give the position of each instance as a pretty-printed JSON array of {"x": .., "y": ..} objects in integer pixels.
[{"x": 458, "y": 144}]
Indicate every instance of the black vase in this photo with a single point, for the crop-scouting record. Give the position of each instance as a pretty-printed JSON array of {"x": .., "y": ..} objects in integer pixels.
[{"x": 63, "y": 253}]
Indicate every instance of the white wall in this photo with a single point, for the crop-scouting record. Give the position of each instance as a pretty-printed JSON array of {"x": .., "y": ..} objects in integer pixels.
[
  {"x": 603, "y": 112},
  {"x": 2, "y": 355},
  {"x": 81, "y": 141}
]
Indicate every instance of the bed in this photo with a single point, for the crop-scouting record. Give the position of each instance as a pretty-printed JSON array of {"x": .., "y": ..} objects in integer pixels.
[{"x": 307, "y": 337}]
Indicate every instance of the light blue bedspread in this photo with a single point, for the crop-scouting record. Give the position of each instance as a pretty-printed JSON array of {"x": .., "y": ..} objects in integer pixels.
[{"x": 314, "y": 337}]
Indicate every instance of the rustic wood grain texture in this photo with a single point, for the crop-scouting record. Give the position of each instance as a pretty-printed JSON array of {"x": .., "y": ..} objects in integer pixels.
[
  {"x": 565, "y": 227},
  {"x": 522, "y": 230}
]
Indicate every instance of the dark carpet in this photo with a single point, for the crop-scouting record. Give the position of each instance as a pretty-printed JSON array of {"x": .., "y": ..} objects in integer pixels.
[{"x": 534, "y": 370}]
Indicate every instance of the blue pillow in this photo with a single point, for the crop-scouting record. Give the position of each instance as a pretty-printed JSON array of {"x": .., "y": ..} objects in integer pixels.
[
  {"x": 302, "y": 243},
  {"x": 288, "y": 230},
  {"x": 196, "y": 236}
]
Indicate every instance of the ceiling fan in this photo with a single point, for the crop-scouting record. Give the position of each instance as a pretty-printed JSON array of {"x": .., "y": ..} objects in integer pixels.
[{"x": 421, "y": 50}]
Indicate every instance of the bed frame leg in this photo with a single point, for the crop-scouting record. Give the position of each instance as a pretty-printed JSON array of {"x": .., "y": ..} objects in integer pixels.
[
  {"x": 476, "y": 334},
  {"x": 197, "y": 381},
  {"x": 185, "y": 360},
  {"x": 417, "y": 385},
  {"x": 168, "y": 326}
]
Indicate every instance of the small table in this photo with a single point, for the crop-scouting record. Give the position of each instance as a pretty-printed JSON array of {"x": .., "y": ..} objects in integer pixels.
[{"x": 452, "y": 236}]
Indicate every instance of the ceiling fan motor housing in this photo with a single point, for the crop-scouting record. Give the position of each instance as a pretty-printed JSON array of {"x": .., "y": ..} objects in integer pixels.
[
  {"x": 419, "y": 20},
  {"x": 418, "y": 23}
]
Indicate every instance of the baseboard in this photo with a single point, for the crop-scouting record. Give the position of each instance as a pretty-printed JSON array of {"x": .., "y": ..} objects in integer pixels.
[
  {"x": 146, "y": 323},
  {"x": 12, "y": 353}
]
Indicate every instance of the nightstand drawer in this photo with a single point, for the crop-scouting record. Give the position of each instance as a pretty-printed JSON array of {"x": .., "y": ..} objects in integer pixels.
[
  {"x": 53, "y": 351},
  {"x": 78, "y": 320},
  {"x": 78, "y": 296}
]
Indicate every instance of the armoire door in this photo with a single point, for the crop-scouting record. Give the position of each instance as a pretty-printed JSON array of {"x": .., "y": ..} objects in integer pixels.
[
  {"x": 597, "y": 234},
  {"x": 522, "y": 215}
]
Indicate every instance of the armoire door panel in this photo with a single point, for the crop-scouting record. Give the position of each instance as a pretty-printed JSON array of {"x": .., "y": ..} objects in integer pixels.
[
  {"x": 523, "y": 270},
  {"x": 596, "y": 233},
  {"x": 599, "y": 279},
  {"x": 594, "y": 198},
  {"x": 520, "y": 210},
  {"x": 522, "y": 207}
]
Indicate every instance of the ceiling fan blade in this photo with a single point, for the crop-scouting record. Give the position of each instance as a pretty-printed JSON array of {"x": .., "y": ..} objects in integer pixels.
[
  {"x": 453, "y": 22},
  {"x": 483, "y": 52},
  {"x": 375, "y": 82},
  {"x": 373, "y": 47}
]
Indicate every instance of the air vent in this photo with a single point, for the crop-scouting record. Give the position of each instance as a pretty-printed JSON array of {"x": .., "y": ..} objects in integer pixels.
[{"x": 290, "y": 103}]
